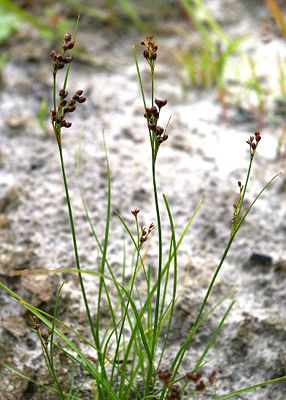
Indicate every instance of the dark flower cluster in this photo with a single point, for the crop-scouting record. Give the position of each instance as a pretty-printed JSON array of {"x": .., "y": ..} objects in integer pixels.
[
  {"x": 174, "y": 393},
  {"x": 135, "y": 211},
  {"x": 174, "y": 390},
  {"x": 59, "y": 112},
  {"x": 44, "y": 334},
  {"x": 152, "y": 114},
  {"x": 60, "y": 58},
  {"x": 165, "y": 376},
  {"x": 200, "y": 384},
  {"x": 66, "y": 107},
  {"x": 146, "y": 232},
  {"x": 253, "y": 142},
  {"x": 150, "y": 52}
]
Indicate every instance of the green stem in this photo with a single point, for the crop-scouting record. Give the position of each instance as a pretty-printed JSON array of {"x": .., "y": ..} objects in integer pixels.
[
  {"x": 248, "y": 388},
  {"x": 50, "y": 367},
  {"x": 88, "y": 313},
  {"x": 175, "y": 279},
  {"x": 103, "y": 262},
  {"x": 122, "y": 326},
  {"x": 245, "y": 186},
  {"x": 54, "y": 91},
  {"x": 159, "y": 277},
  {"x": 72, "y": 226}
]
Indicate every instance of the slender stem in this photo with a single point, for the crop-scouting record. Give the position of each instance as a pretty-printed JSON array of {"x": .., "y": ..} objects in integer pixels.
[
  {"x": 159, "y": 276},
  {"x": 50, "y": 366},
  {"x": 72, "y": 226},
  {"x": 123, "y": 322},
  {"x": 139, "y": 76},
  {"x": 53, "y": 330},
  {"x": 245, "y": 186},
  {"x": 248, "y": 388},
  {"x": 103, "y": 261},
  {"x": 175, "y": 279},
  {"x": 152, "y": 85},
  {"x": 54, "y": 91},
  {"x": 75, "y": 246},
  {"x": 88, "y": 313}
]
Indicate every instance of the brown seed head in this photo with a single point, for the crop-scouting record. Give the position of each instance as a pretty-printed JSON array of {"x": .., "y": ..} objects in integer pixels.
[
  {"x": 160, "y": 103},
  {"x": 135, "y": 211},
  {"x": 82, "y": 99},
  {"x": 165, "y": 375},
  {"x": 159, "y": 130},
  {"x": 201, "y": 386},
  {"x": 53, "y": 54},
  {"x": 67, "y": 60},
  {"x": 212, "y": 377},
  {"x": 257, "y": 136},
  {"x": 150, "y": 53},
  {"x": 194, "y": 377},
  {"x": 67, "y": 37},
  {"x": 152, "y": 126},
  {"x": 65, "y": 124},
  {"x": 71, "y": 45},
  {"x": 146, "y": 54},
  {"x": 63, "y": 93},
  {"x": 71, "y": 108}
]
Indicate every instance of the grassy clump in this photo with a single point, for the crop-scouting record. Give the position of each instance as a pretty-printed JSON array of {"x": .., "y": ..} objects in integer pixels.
[{"x": 131, "y": 349}]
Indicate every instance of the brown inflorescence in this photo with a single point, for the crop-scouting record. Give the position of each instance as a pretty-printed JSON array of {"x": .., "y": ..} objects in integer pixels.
[
  {"x": 194, "y": 377},
  {"x": 152, "y": 113},
  {"x": 44, "y": 334},
  {"x": 146, "y": 232},
  {"x": 60, "y": 58},
  {"x": 253, "y": 142},
  {"x": 65, "y": 106},
  {"x": 201, "y": 386},
  {"x": 150, "y": 52},
  {"x": 135, "y": 211},
  {"x": 165, "y": 376},
  {"x": 175, "y": 393},
  {"x": 212, "y": 377}
]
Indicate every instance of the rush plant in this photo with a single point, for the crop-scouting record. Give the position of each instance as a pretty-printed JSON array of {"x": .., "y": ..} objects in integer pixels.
[{"x": 130, "y": 360}]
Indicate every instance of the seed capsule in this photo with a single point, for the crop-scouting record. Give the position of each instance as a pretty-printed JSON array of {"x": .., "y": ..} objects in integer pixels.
[
  {"x": 71, "y": 45},
  {"x": 161, "y": 103},
  {"x": 67, "y": 37},
  {"x": 67, "y": 60},
  {"x": 63, "y": 93},
  {"x": 82, "y": 99},
  {"x": 53, "y": 54}
]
